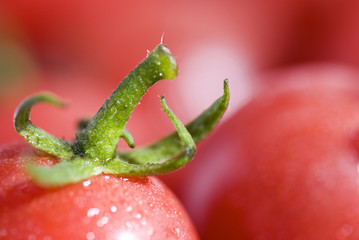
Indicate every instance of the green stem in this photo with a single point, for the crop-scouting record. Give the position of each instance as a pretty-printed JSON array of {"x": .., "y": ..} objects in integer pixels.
[
  {"x": 94, "y": 150},
  {"x": 172, "y": 145},
  {"x": 126, "y": 135},
  {"x": 100, "y": 138},
  {"x": 36, "y": 136},
  {"x": 188, "y": 149}
]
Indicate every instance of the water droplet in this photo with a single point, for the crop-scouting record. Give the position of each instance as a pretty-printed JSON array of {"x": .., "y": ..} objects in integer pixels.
[
  {"x": 113, "y": 209},
  {"x": 143, "y": 222},
  {"x": 158, "y": 63},
  {"x": 102, "y": 221},
  {"x": 93, "y": 212},
  {"x": 125, "y": 179},
  {"x": 86, "y": 183},
  {"x": 178, "y": 231},
  {"x": 90, "y": 236},
  {"x": 126, "y": 236},
  {"x": 107, "y": 177},
  {"x": 129, "y": 209},
  {"x": 138, "y": 215},
  {"x": 160, "y": 74}
]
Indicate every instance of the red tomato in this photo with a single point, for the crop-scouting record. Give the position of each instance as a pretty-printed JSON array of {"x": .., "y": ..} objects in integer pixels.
[
  {"x": 106, "y": 40},
  {"x": 325, "y": 31},
  {"x": 102, "y": 207},
  {"x": 110, "y": 37},
  {"x": 286, "y": 165}
]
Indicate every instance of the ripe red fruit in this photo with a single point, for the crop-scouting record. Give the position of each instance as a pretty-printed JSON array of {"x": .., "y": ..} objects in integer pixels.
[
  {"x": 286, "y": 165},
  {"x": 85, "y": 188},
  {"x": 102, "y": 207}
]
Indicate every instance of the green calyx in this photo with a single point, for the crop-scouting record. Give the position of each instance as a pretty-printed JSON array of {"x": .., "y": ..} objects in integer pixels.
[{"x": 94, "y": 149}]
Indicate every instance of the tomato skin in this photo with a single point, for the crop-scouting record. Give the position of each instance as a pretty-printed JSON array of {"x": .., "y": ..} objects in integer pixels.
[
  {"x": 102, "y": 207},
  {"x": 285, "y": 166}
]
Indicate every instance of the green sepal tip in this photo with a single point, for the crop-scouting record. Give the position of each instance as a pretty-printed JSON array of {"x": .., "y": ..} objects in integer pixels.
[{"x": 36, "y": 136}]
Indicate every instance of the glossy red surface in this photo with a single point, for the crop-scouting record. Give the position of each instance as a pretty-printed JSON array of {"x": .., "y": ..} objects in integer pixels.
[{"x": 102, "y": 207}]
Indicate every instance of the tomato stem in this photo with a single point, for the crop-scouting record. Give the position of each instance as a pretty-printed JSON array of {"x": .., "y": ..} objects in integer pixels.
[
  {"x": 172, "y": 145},
  {"x": 94, "y": 149},
  {"x": 126, "y": 135},
  {"x": 100, "y": 138}
]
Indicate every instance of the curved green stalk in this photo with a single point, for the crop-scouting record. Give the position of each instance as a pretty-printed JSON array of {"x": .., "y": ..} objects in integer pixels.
[
  {"x": 36, "y": 136},
  {"x": 101, "y": 136},
  {"x": 188, "y": 147},
  {"x": 76, "y": 170},
  {"x": 126, "y": 135},
  {"x": 94, "y": 149},
  {"x": 171, "y": 145}
]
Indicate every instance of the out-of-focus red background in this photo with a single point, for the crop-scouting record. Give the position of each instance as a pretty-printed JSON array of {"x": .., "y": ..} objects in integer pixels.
[{"x": 81, "y": 51}]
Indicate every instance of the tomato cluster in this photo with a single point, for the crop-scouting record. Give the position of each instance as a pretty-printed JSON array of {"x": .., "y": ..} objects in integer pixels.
[{"x": 283, "y": 164}]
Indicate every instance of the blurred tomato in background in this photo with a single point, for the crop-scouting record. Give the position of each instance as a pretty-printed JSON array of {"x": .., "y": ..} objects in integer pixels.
[
  {"x": 285, "y": 166},
  {"x": 101, "y": 43},
  {"x": 82, "y": 50},
  {"x": 211, "y": 40}
]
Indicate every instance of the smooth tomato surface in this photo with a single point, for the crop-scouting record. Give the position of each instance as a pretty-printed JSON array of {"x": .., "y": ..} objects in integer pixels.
[
  {"x": 102, "y": 207},
  {"x": 286, "y": 165}
]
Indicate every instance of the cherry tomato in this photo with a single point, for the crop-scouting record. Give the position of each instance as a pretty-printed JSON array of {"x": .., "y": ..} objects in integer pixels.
[
  {"x": 325, "y": 31},
  {"x": 285, "y": 166},
  {"x": 102, "y": 207},
  {"x": 105, "y": 40},
  {"x": 73, "y": 189}
]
